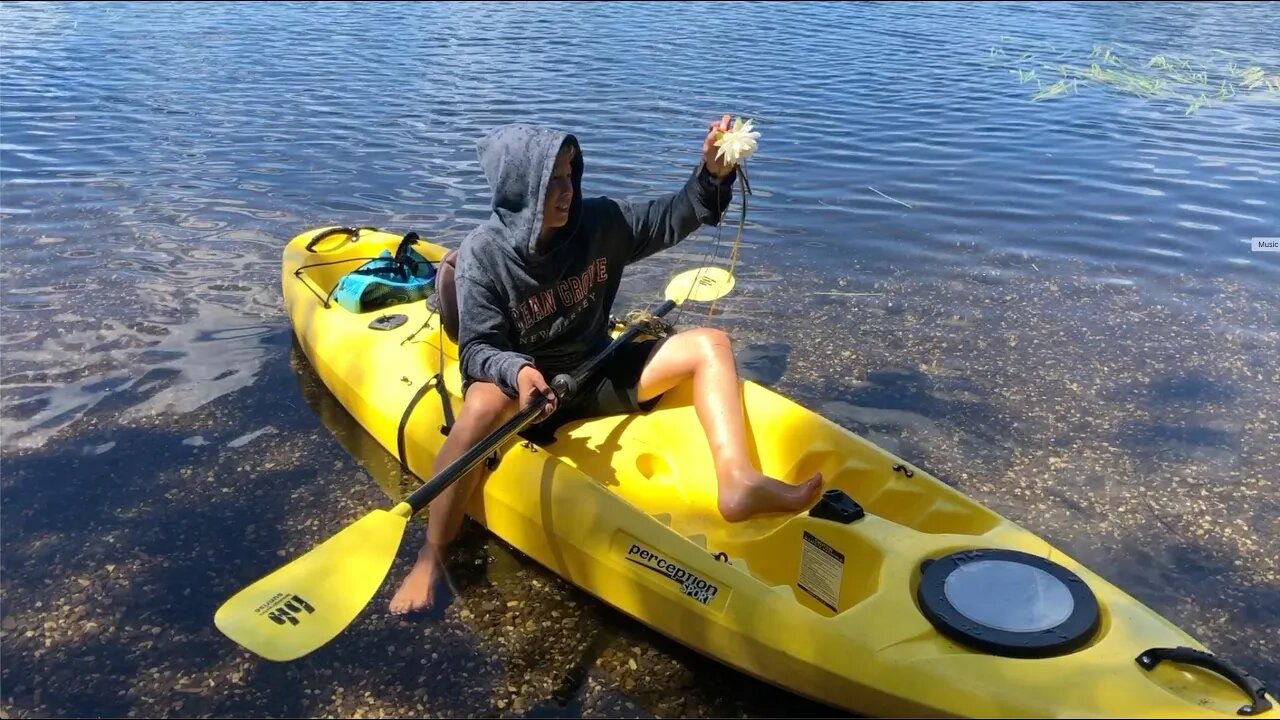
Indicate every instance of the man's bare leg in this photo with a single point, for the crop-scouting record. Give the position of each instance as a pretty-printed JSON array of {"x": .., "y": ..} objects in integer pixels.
[
  {"x": 707, "y": 356},
  {"x": 484, "y": 409}
]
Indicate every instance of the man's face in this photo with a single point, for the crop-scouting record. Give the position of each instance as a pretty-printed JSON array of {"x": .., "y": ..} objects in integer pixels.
[{"x": 555, "y": 211}]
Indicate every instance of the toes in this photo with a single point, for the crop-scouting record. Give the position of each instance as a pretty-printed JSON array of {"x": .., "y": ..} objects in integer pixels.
[{"x": 403, "y": 606}]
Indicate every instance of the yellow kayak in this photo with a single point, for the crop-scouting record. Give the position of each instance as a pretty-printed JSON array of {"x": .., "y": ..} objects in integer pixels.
[{"x": 896, "y": 595}]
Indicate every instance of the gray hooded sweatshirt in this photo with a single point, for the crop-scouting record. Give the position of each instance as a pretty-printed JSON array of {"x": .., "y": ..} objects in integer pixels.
[{"x": 519, "y": 304}]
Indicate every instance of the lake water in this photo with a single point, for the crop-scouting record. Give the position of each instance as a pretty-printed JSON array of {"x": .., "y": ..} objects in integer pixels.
[{"x": 970, "y": 239}]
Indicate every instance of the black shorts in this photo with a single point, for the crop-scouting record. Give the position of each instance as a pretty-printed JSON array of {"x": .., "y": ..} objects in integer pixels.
[{"x": 610, "y": 391}]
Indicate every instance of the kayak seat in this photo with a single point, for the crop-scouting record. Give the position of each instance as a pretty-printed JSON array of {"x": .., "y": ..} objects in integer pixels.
[{"x": 446, "y": 293}]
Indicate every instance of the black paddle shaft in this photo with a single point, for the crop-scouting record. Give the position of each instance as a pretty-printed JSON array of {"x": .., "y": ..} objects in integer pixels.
[{"x": 563, "y": 385}]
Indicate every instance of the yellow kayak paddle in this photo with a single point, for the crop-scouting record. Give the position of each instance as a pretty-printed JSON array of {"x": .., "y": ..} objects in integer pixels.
[{"x": 308, "y": 602}]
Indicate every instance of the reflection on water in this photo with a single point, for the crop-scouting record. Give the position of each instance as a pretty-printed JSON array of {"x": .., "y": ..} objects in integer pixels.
[
  {"x": 155, "y": 161},
  {"x": 385, "y": 469},
  {"x": 154, "y": 367}
]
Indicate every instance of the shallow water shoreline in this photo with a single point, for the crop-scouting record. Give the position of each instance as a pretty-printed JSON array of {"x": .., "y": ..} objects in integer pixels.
[{"x": 1153, "y": 477}]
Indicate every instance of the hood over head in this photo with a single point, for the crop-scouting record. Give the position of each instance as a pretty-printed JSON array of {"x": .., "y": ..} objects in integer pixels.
[{"x": 518, "y": 161}]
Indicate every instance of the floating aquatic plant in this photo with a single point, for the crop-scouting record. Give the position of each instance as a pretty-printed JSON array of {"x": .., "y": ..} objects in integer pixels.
[
  {"x": 1059, "y": 88},
  {"x": 1106, "y": 55},
  {"x": 1251, "y": 77},
  {"x": 1161, "y": 77}
]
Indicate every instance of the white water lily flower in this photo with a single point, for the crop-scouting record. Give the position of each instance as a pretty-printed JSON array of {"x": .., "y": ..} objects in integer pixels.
[{"x": 738, "y": 143}]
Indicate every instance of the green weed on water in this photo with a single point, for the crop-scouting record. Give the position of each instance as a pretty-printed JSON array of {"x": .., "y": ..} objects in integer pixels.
[{"x": 1161, "y": 77}]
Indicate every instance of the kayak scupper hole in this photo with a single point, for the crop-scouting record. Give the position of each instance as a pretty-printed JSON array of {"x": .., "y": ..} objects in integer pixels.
[
  {"x": 651, "y": 465},
  {"x": 659, "y": 485}
]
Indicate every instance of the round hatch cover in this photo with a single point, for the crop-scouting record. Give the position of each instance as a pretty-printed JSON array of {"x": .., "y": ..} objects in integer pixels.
[{"x": 1008, "y": 603}]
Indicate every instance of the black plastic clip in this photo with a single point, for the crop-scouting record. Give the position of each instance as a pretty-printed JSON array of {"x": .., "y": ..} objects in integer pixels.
[
  {"x": 837, "y": 506},
  {"x": 388, "y": 322}
]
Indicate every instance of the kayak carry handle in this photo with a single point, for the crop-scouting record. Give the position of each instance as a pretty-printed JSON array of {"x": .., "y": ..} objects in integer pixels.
[
  {"x": 353, "y": 232},
  {"x": 1251, "y": 685}
]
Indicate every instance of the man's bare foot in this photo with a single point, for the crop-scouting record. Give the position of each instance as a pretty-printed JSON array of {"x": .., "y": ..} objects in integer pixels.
[
  {"x": 747, "y": 493},
  {"x": 414, "y": 593}
]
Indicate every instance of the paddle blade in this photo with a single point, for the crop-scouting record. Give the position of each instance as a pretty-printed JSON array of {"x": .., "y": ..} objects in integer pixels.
[
  {"x": 305, "y": 604},
  {"x": 700, "y": 284}
]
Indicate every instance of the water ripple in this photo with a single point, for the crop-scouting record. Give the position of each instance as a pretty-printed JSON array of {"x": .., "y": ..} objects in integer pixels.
[{"x": 160, "y": 162}]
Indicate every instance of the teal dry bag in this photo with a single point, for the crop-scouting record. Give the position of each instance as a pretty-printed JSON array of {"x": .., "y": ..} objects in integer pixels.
[{"x": 387, "y": 280}]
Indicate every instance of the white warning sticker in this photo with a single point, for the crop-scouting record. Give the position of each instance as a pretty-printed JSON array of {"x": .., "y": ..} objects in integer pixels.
[{"x": 821, "y": 571}]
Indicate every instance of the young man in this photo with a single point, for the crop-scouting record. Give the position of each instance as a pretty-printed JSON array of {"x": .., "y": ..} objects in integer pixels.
[{"x": 535, "y": 284}]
